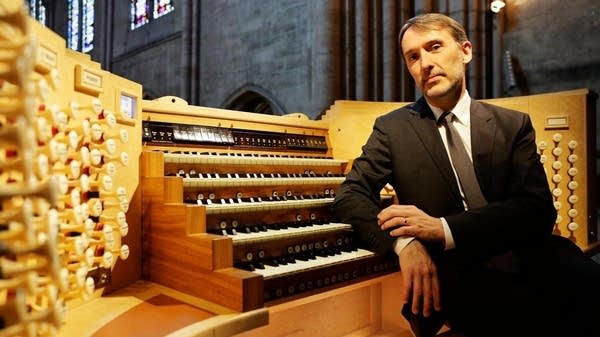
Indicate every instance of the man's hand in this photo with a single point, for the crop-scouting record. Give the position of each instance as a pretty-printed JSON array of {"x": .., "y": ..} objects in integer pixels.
[
  {"x": 419, "y": 274},
  {"x": 408, "y": 220}
]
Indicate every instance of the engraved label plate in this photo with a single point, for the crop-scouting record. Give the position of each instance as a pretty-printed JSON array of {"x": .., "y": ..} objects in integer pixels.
[
  {"x": 557, "y": 122},
  {"x": 87, "y": 80},
  {"x": 47, "y": 59}
]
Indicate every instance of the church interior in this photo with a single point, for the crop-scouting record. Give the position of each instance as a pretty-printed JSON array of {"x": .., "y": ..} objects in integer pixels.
[{"x": 167, "y": 167}]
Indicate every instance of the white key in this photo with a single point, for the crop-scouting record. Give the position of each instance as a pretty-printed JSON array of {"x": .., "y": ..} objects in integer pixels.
[
  {"x": 319, "y": 262},
  {"x": 267, "y": 205},
  {"x": 272, "y": 234},
  {"x": 209, "y": 158}
]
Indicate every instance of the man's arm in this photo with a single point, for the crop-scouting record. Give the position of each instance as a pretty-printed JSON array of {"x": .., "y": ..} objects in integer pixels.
[{"x": 358, "y": 199}]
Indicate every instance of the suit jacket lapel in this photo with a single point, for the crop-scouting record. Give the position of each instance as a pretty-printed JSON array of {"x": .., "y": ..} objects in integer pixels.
[
  {"x": 483, "y": 129},
  {"x": 426, "y": 129}
]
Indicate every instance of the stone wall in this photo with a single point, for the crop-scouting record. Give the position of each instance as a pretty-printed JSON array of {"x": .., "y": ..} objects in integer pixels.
[
  {"x": 555, "y": 47},
  {"x": 555, "y": 44},
  {"x": 150, "y": 54},
  {"x": 281, "y": 46},
  {"x": 293, "y": 49}
]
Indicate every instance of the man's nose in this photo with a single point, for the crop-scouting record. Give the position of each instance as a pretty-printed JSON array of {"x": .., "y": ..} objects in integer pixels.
[{"x": 426, "y": 61}]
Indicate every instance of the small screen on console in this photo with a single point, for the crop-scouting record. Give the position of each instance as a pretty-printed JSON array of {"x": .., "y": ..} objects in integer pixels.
[{"x": 128, "y": 105}]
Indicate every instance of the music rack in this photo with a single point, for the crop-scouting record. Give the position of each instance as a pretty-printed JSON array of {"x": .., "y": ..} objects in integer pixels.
[{"x": 185, "y": 134}]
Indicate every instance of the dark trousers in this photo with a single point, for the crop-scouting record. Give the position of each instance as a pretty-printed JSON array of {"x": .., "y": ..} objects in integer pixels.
[{"x": 553, "y": 294}]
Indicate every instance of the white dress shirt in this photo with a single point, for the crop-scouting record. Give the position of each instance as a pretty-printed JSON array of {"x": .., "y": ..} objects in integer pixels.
[{"x": 462, "y": 124}]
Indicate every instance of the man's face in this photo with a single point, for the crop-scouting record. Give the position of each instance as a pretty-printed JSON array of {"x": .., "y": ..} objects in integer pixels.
[{"x": 437, "y": 63}]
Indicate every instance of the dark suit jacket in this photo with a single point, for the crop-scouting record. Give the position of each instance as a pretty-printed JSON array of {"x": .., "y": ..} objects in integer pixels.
[{"x": 405, "y": 150}]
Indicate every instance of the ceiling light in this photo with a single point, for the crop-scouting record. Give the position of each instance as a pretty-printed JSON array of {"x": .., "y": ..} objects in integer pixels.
[{"x": 497, "y": 5}]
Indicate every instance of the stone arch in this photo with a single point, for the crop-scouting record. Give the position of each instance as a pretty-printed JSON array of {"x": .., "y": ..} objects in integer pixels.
[{"x": 253, "y": 98}]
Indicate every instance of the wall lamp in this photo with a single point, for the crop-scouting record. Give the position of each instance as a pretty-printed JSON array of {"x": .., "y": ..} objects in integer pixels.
[{"x": 497, "y": 5}]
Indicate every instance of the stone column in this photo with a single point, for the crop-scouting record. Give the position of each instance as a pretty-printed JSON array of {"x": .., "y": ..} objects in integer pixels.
[{"x": 190, "y": 51}]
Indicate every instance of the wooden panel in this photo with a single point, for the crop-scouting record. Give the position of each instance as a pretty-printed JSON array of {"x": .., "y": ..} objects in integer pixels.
[
  {"x": 566, "y": 121},
  {"x": 152, "y": 164},
  {"x": 167, "y": 236},
  {"x": 201, "y": 318},
  {"x": 362, "y": 309},
  {"x": 231, "y": 288},
  {"x": 173, "y": 191},
  {"x": 182, "y": 113},
  {"x": 351, "y": 123}
]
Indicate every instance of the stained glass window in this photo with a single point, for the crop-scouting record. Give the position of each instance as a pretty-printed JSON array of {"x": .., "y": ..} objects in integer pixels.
[
  {"x": 37, "y": 10},
  {"x": 139, "y": 13},
  {"x": 80, "y": 26},
  {"x": 87, "y": 26},
  {"x": 162, "y": 7},
  {"x": 73, "y": 24}
]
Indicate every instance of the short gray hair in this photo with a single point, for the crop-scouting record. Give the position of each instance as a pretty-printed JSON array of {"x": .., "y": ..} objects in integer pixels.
[{"x": 435, "y": 21}]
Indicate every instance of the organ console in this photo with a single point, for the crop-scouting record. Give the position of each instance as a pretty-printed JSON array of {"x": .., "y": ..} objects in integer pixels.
[
  {"x": 115, "y": 210},
  {"x": 262, "y": 187}
]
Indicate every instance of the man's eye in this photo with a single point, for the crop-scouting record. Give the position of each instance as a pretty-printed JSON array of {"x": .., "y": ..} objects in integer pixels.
[{"x": 436, "y": 46}]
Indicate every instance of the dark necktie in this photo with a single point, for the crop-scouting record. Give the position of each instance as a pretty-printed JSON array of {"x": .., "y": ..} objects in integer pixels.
[{"x": 462, "y": 164}]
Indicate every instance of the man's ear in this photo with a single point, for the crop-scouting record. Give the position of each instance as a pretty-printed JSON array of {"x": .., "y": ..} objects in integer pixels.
[{"x": 467, "y": 50}]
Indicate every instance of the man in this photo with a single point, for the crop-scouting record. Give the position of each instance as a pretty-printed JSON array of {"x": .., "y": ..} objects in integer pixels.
[{"x": 485, "y": 262}]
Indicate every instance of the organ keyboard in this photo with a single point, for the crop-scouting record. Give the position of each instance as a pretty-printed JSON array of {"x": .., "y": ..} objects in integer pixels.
[
  {"x": 247, "y": 159},
  {"x": 264, "y": 195},
  {"x": 241, "y": 236},
  {"x": 262, "y": 205}
]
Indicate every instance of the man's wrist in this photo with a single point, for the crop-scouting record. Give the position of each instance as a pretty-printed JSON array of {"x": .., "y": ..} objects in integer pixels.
[{"x": 401, "y": 242}]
